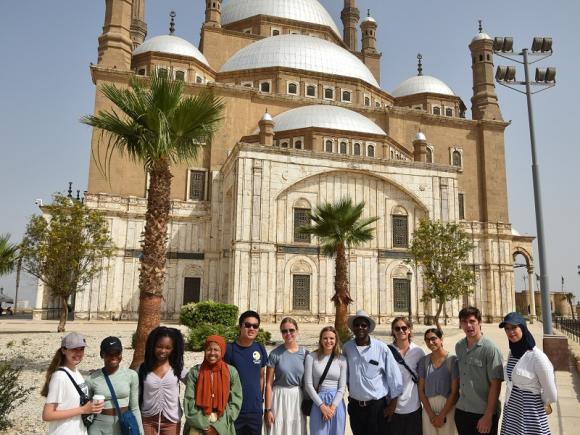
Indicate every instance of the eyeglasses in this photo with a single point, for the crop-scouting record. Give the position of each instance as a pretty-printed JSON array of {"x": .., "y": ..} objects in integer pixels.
[
  {"x": 361, "y": 325},
  {"x": 249, "y": 325},
  {"x": 400, "y": 328},
  {"x": 287, "y": 331},
  {"x": 431, "y": 339}
]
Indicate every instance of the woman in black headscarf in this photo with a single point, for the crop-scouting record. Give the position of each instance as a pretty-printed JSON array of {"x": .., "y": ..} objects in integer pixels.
[{"x": 530, "y": 381}]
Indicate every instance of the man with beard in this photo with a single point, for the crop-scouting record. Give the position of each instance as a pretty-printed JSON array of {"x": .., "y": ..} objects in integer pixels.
[{"x": 374, "y": 378}]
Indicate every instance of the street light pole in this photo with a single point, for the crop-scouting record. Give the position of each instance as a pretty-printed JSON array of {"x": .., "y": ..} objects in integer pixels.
[{"x": 544, "y": 277}]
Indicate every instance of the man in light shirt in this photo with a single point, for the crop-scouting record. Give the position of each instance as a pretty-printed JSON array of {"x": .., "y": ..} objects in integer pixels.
[{"x": 374, "y": 378}]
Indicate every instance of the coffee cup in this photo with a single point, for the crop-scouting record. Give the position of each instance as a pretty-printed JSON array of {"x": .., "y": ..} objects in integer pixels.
[{"x": 98, "y": 399}]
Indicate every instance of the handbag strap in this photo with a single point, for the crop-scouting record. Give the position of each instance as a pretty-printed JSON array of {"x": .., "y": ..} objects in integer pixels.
[
  {"x": 112, "y": 390},
  {"x": 401, "y": 360},
  {"x": 325, "y": 372},
  {"x": 81, "y": 392}
]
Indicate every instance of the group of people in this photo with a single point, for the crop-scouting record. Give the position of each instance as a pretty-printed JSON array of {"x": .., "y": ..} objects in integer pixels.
[{"x": 240, "y": 389}]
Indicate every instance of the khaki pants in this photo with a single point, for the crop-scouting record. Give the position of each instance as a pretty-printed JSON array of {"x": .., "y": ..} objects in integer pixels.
[
  {"x": 437, "y": 403},
  {"x": 212, "y": 419}
]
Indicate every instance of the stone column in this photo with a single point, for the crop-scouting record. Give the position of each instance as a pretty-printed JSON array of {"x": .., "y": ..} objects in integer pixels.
[{"x": 532, "y": 293}]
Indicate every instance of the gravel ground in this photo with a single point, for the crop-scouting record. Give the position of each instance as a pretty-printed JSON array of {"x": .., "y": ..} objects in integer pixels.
[{"x": 30, "y": 345}]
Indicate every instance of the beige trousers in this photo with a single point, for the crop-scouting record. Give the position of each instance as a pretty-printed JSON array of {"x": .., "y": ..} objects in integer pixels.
[{"x": 437, "y": 403}]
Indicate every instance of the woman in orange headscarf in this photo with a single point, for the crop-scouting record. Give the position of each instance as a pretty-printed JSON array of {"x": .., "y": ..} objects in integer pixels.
[{"x": 213, "y": 396}]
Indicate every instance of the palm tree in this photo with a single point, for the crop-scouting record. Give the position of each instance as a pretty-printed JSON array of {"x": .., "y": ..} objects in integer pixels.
[
  {"x": 569, "y": 297},
  {"x": 340, "y": 226},
  {"x": 8, "y": 254},
  {"x": 158, "y": 127}
]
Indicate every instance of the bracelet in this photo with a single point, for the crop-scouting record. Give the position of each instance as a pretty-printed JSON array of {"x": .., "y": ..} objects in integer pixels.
[{"x": 267, "y": 409}]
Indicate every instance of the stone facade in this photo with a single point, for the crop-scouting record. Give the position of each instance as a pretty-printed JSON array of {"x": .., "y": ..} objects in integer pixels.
[{"x": 234, "y": 209}]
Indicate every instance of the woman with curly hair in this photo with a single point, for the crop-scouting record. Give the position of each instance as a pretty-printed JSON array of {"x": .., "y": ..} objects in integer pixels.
[{"x": 159, "y": 378}]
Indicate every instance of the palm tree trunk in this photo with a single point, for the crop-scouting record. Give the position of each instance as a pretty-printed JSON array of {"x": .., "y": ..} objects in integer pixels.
[
  {"x": 63, "y": 314},
  {"x": 341, "y": 296},
  {"x": 152, "y": 273}
]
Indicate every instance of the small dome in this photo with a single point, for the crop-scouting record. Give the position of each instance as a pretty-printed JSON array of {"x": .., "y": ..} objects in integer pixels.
[
  {"x": 300, "y": 52},
  {"x": 420, "y": 136},
  {"x": 325, "y": 116},
  {"x": 266, "y": 117},
  {"x": 309, "y": 11},
  {"x": 421, "y": 84},
  {"x": 480, "y": 36},
  {"x": 171, "y": 44},
  {"x": 369, "y": 19}
]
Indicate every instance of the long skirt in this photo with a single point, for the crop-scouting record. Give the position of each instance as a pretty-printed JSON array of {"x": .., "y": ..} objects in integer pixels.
[
  {"x": 524, "y": 413},
  {"x": 288, "y": 419},
  {"x": 335, "y": 426},
  {"x": 437, "y": 403}
]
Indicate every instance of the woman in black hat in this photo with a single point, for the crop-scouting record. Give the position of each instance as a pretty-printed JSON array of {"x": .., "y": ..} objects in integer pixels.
[
  {"x": 529, "y": 379},
  {"x": 124, "y": 383}
]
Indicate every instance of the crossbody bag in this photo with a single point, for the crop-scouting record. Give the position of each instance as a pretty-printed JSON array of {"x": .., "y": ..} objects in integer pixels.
[{"x": 307, "y": 403}]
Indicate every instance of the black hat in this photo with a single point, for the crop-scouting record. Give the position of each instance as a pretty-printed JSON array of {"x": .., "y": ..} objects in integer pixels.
[
  {"x": 513, "y": 319},
  {"x": 111, "y": 344}
]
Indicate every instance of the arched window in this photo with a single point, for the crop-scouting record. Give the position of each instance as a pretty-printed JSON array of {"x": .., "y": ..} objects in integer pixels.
[
  {"x": 141, "y": 72},
  {"x": 179, "y": 75},
  {"x": 284, "y": 144},
  {"x": 329, "y": 93},
  {"x": 456, "y": 159},
  {"x": 367, "y": 101},
  {"x": 301, "y": 292},
  {"x": 400, "y": 224},
  {"x": 292, "y": 88},
  {"x": 356, "y": 149},
  {"x": 429, "y": 155},
  {"x": 346, "y": 96},
  {"x": 343, "y": 147},
  {"x": 371, "y": 151},
  {"x": 401, "y": 294},
  {"x": 300, "y": 219},
  {"x": 436, "y": 110},
  {"x": 328, "y": 146},
  {"x": 298, "y": 144},
  {"x": 275, "y": 32},
  {"x": 311, "y": 91},
  {"x": 265, "y": 87},
  {"x": 162, "y": 72},
  {"x": 448, "y": 112}
]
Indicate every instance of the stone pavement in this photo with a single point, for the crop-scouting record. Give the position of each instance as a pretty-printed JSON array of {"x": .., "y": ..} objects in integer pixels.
[{"x": 565, "y": 418}]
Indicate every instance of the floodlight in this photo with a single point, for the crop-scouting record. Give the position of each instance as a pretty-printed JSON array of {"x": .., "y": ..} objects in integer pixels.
[
  {"x": 508, "y": 43},
  {"x": 498, "y": 43},
  {"x": 505, "y": 73},
  {"x": 540, "y": 74},
  {"x": 542, "y": 45},
  {"x": 550, "y": 75},
  {"x": 503, "y": 43}
]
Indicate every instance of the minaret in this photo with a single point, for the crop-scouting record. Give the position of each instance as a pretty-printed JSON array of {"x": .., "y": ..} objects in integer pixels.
[
  {"x": 369, "y": 34},
  {"x": 350, "y": 16},
  {"x": 420, "y": 147},
  {"x": 115, "y": 44},
  {"x": 266, "y": 125},
  {"x": 484, "y": 103},
  {"x": 213, "y": 13},
  {"x": 138, "y": 24}
]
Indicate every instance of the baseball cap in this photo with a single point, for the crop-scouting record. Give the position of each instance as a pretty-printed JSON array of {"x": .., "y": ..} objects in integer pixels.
[
  {"x": 111, "y": 344},
  {"x": 513, "y": 319},
  {"x": 73, "y": 340}
]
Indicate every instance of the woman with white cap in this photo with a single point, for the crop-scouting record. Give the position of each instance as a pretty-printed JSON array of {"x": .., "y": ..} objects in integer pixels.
[
  {"x": 64, "y": 387},
  {"x": 530, "y": 383}
]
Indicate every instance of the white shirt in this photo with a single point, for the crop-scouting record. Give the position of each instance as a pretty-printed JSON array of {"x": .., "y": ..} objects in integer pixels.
[
  {"x": 533, "y": 372},
  {"x": 409, "y": 401},
  {"x": 62, "y": 392}
]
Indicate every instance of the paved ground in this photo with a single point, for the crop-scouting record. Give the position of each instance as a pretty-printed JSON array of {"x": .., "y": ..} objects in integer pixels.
[{"x": 31, "y": 344}]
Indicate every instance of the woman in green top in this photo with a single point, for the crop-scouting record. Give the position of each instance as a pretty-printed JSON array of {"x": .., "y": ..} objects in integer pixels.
[
  {"x": 213, "y": 396},
  {"x": 125, "y": 382}
]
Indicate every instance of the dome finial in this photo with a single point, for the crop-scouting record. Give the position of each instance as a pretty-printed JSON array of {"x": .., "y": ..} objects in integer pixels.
[
  {"x": 172, "y": 23},
  {"x": 368, "y": 12},
  {"x": 480, "y": 26},
  {"x": 419, "y": 65}
]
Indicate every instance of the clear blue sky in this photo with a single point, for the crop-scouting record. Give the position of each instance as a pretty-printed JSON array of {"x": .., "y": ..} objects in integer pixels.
[{"x": 45, "y": 87}]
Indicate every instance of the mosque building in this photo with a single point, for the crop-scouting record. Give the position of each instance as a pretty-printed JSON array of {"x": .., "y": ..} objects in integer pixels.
[{"x": 306, "y": 121}]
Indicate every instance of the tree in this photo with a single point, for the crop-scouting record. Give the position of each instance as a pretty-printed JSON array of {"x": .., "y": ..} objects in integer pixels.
[
  {"x": 156, "y": 126},
  {"x": 67, "y": 250},
  {"x": 569, "y": 297},
  {"x": 440, "y": 251},
  {"x": 340, "y": 226},
  {"x": 8, "y": 254}
]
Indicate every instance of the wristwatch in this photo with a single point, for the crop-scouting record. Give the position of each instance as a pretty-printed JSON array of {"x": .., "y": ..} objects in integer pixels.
[{"x": 267, "y": 409}]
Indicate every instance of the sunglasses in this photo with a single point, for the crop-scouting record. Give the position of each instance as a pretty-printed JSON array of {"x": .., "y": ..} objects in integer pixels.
[
  {"x": 400, "y": 328},
  {"x": 287, "y": 331},
  {"x": 249, "y": 325}
]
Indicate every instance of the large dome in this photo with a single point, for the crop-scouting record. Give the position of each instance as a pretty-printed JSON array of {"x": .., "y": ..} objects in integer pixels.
[
  {"x": 171, "y": 44},
  {"x": 325, "y": 116},
  {"x": 299, "y": 52},
  {"x": 309, "y": 11},
  {"x": 421, "y": 84}
]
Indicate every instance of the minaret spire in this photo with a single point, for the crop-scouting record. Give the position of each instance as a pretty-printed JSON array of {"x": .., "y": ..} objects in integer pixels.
[
  {"x": 172, "y": 23},
  {"x": 138, "y": 24},
  {"x": 350, "y": 16},
  {"x": 419, "y": 64}
]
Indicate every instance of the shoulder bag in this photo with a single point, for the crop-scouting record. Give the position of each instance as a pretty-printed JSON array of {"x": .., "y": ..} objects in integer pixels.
[
  {"x": 127, "y": 420},
  {"x": 306, "y": 405},
  {"x": 87, "y": 418}
]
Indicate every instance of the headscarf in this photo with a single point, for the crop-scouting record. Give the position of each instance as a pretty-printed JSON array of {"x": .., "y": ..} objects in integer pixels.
[
  {"x": 527, "y": 341},
  {"x": 213, "y": 396}
]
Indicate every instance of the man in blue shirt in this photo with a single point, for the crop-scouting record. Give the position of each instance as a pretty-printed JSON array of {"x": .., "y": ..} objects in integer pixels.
[
  {"x": 374, "y": 378},
  {"x": 249, "y": 358}
]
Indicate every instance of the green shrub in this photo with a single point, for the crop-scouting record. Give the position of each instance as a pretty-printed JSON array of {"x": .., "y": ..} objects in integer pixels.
[
  {"x": 264, "y": 337},
  {"x": 199, "y": 334},
  {"x": 12, "y": 393},
  {"x": 195, "y": 314}
]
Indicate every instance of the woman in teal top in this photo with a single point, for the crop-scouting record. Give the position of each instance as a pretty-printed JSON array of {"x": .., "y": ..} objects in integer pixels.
[
  {"x": 213, "y": 395},
  {"x": 125, "y": 382}
]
